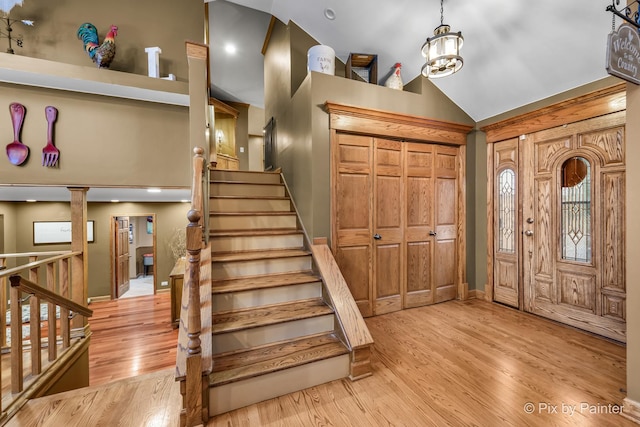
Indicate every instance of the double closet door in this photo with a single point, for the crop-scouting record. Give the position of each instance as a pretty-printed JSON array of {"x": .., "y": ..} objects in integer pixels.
[
  {"x": 558, "y": 206},
  {"x": 395, "y": 221}
]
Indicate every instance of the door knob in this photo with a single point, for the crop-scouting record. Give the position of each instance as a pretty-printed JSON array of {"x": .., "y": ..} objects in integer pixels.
[
  {"x": 529, "y": 233},
  {"x": 432, "y": 233},
  {"x": 377, "y": 236}
]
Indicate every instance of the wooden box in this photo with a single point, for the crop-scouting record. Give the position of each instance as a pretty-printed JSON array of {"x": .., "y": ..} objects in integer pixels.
[{"x": 362, "y": 66}]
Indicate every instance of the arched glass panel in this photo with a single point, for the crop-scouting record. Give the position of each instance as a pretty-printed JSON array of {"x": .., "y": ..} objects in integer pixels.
[
  {"x": 506, "y": 211},
  {"x": 576, "y": 210}
]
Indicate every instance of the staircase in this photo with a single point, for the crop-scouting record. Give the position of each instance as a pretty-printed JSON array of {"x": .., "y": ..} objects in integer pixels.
[{"x": 272, "y": 331}]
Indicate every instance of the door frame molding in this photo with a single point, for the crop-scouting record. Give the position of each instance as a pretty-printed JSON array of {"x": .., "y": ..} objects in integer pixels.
[
  {"x": 409, "y": 128},
  {"x": 601, "y": 102}
]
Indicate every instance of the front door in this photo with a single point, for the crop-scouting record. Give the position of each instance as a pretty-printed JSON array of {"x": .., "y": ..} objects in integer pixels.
[
  {"x": 122, "y": 255},
  {"x": 568, "y": 246}
]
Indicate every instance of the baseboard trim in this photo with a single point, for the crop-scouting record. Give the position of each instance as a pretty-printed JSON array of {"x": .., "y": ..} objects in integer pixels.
[
  {"x": 163, "y": 290},
  {"x": 631, "y": 410},
  {"x": 477, "y": 294},
  {"x": 99, "y": 299}
]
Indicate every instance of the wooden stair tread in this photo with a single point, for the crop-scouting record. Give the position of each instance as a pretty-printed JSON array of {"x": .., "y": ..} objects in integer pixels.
[
  {"x": 256, "y": 213},
  {"x": 235, "y": 320},
  {"x": 259, "y": 254},
  {"x": 263, "y": 282},
  {"x": 271, "y": 358},
  {"x": 214, "y": 181},
  {"x": 251, "y": 197},
  {"x": 261, "y": 232}
]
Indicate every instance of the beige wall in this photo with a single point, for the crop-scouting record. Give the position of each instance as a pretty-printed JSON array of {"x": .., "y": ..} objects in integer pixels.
[
  {"x": 141, "y": 24},
  {"x": 147, "y": 143},
  {"x": 19, "y": 218},
  {"x": 633, "y": 244},
  {"x": 301, "y": 118}
]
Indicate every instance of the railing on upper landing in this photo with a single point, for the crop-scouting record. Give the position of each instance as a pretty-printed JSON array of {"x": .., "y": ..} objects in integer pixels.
[{"x": 46, "y": 277}]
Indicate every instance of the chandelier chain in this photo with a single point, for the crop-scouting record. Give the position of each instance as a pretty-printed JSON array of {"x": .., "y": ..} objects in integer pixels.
[{"x": 441, "y": 12}]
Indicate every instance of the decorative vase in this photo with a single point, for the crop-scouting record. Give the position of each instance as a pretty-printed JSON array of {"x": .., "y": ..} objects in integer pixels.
[{"x": 322, "y": 59}]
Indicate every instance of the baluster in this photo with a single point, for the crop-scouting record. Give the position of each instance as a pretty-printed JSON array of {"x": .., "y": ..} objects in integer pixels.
[
  {"x": 194, "y": 350},
  {"x": 65, "y": 325},
  {"x": 34, "y": 322},
  {"x": 51, "y": 316},
  {"x": 3, "y": 304},
  {"x": 16, "y": 336}
]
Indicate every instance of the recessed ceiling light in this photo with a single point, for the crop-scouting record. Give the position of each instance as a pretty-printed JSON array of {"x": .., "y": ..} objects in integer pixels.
[
  {"x": 154, "y": 190},
  {"x": 31, "y": 200},
  {"x": 230, "y": 48},
  {"x": 330, "y": 14},
  {"x": 185, "y": 201},
  {"x": 114, "y": 201}
]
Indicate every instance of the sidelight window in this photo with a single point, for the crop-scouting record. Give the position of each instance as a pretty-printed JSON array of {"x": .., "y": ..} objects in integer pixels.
[
  {"x": 506, "y": 211},
  {"x": 576, "y": 210}
]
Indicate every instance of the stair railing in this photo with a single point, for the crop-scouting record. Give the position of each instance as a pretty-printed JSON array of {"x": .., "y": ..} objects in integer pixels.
[
  {"x": 56, "y": 293},
  {"x": 193, "y": 361}
]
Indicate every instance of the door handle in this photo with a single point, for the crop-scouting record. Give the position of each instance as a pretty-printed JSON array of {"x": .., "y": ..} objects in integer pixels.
[
  {"x": 528, "y": 233},
  {"x": 377, "y": 236},
  {"x": 432, "y": 233}
]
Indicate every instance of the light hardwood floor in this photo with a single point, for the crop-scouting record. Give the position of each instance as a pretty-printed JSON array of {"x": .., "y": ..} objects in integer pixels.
[
  {"x": 463, "y": 364},
  {"x": 131, "y": 337},
  {"x": 459, "y": 363}
]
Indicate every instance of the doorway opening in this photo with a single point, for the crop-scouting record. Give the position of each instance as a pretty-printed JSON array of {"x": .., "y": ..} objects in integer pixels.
[{"x": 133, "y": 255}]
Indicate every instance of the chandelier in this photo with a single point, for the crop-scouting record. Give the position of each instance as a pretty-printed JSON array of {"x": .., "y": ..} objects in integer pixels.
[{"x": 442, "y": 51}]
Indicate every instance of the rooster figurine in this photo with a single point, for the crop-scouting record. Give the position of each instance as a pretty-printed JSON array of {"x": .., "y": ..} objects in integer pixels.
[
  {"x": 101, "y": 54},
  {"x": 395, "y": 79}
]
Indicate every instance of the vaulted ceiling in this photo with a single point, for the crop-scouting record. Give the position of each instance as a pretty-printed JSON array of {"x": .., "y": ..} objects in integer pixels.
[{"x": 515, "y": 52}]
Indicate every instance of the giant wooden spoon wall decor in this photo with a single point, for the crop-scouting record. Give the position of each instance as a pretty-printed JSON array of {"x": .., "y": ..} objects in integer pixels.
[{"x": 17, "y": 151}]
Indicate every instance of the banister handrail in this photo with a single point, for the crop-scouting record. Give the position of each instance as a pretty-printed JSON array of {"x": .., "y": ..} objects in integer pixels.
[
  {"x": 190, "y": 367},
  {"x": 29, "y": 287},
  {"x": 30, "y": 254},
  {"x": 354, "y": 328},
  {"x": 28, "y": 266}
]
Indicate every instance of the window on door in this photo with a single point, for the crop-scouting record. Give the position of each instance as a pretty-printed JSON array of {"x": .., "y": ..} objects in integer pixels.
[
  {"x": 576, "y": 210},
  {"x": 506, "y": 211}
]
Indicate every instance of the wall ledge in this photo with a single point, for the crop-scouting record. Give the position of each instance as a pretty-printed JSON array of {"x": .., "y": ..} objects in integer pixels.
[{"x": 22, "y": 70}]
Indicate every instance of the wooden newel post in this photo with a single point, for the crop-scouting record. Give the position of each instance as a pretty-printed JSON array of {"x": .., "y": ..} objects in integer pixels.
[{"x": 194, "y": 350}]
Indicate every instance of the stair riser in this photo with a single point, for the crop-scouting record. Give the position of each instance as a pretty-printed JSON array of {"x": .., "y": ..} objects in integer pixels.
[
  {"x": 253, "y": 390},
  {"x": 228, "y": 270},
  {"x": 252, "y": 222},
  {"x": 225, "y": 175},
  {"x": 260, "y": 297},
  {"x": 252, "y": 243},
  {"x": 249, "y": 205},
  {"x": 252, "y": 337},
  {"x": 247, "y": 190}
]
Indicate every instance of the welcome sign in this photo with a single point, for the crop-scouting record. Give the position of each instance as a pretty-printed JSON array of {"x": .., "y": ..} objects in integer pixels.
[{"x": 623, "y": 53}]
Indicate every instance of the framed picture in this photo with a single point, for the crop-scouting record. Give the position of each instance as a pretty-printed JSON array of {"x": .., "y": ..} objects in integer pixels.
[{"x": 53, "y": 232}]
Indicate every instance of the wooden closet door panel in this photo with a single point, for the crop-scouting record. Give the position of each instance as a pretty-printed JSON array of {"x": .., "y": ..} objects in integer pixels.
[
  {"x": 419, "y": 245},
  {"x": 446, "y": 223},
  {"x": 388, "y": 226},
  {"x": 353, "y": 159}
]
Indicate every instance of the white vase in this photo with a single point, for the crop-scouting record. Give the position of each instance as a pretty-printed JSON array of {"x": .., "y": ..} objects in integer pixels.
[{"x": 322, "y": 59}]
